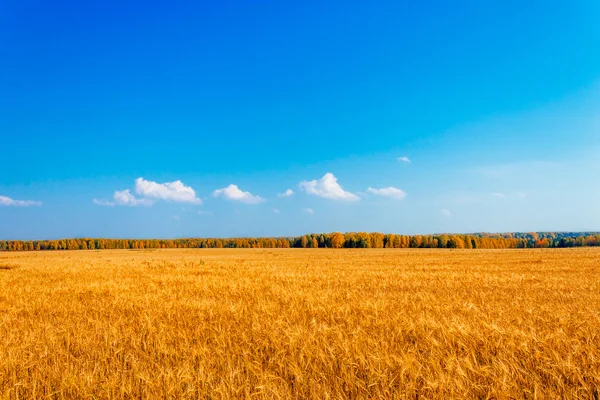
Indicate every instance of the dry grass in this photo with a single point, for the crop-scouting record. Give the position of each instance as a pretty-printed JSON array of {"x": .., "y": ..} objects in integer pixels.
[{"x": 300, "y": 324}]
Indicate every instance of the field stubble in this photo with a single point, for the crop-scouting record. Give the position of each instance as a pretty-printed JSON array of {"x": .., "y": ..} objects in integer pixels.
[{"x": 300, "y": 324}]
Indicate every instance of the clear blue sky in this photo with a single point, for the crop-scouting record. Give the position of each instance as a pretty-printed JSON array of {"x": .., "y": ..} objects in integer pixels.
[{"x": 494, "y": 108}]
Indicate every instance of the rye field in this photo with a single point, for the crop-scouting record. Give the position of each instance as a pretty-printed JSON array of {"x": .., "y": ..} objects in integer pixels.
[{"x": 300, "y": 324}]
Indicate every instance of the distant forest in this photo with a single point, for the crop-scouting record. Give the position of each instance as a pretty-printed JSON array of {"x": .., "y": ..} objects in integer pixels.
[{"x": 327, "y": 240}]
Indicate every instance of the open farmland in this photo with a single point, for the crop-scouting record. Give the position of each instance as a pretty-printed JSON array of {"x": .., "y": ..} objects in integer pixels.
[{"x": 300, "y": 323}]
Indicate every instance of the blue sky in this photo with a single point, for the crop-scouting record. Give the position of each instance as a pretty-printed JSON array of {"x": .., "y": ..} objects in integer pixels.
[{"x": 495, "y": 105}]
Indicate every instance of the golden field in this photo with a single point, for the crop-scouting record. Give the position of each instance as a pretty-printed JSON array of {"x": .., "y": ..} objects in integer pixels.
[{"x": 299, "y": 323}]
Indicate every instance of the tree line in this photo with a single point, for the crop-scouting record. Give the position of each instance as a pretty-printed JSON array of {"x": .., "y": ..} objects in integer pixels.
[{"x": 326, "y": 240}]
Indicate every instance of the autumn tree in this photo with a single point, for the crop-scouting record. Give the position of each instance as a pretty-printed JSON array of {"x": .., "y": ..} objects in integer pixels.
[{"x": 337, "y": 240}]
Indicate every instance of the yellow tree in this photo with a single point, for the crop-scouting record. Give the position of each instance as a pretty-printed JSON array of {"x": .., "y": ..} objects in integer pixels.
[{"x": 337, "y": 240}]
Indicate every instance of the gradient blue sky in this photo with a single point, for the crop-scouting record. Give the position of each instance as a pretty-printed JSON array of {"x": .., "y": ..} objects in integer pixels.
[{"x": 495, "y": 104}]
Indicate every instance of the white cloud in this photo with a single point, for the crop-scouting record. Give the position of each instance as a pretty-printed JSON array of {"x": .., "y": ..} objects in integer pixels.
[
  {"x": 308, "y": 210},
  {"x": 328, "y": 188},
  {"x": 123, "y": 198},
  {"x": 287, "y": 193},
  {"x": 232, "y": 192},
  {"x": 202, "y": 212},
  {"x": 172, "y": 191},
  {"x": 521, "y": 195},
  {"x": 276, "y": 210},
  {"x": 446, "y": 212},
  {"x": 391, "y": 192},
  {"x": 404, "y": 159},
  {"x": 105, "y": 203},
  {"x": 7, "y": 201},
  {"x": 498, "y": 195}
]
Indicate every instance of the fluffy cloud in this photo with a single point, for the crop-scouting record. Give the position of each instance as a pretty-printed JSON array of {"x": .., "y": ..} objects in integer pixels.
[
  {"x": 404, "y": 159},
  {"x": 232, "y": 192},
  {"x": 275, "y": 210},
  {"x": 172, "y": 191},
  {"x": 7, "y": 201},
  {"x": 391, "y": 192},
  {"x": 308, "y": 210},
  {"x": 287, "y": 193},
  {"x": 327, "y": 187},
  {"x": 446, "y": 212},
  {"x": 123, "y": 198}
]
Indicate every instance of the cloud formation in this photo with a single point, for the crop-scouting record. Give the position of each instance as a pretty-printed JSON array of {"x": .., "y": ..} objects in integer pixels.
[
  {"x": 390, "y": 192},
  {"x": 232, "y": 192},
  {"x": 498, "y": 195},
  {"x": 174, "y": 191},
  {"x": 309, "y": 211},
  {"x": 123, "y": 198},
  {"x": 8, "y": 202},
  {"x": 404, "y": 160},
  {"x": 327, "y": 187},
  {"x": 170, "y": 191},
  {"x": 287, "y": 193},
  {"x": 446, "y": 212}
]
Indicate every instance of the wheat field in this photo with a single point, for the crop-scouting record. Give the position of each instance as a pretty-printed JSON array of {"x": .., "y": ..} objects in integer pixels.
[{"x": 300, "y": 324}]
